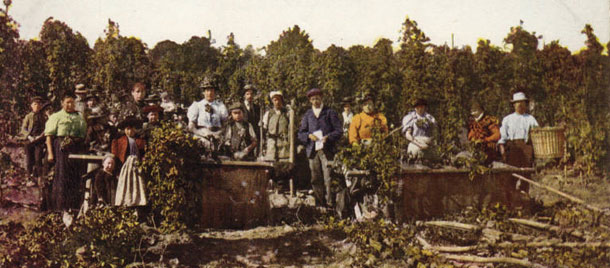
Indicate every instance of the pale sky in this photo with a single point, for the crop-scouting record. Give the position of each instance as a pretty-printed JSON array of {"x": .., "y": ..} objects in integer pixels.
[{"x": 343, "y": 22}]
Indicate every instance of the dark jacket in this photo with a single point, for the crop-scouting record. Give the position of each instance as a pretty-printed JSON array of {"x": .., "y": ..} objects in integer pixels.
[
  {"x": 253, "y": 116},
  {"x": 328, "y": 122},
  {"x": 33, "y": 125},
  {"x": 120, "y": 148}
]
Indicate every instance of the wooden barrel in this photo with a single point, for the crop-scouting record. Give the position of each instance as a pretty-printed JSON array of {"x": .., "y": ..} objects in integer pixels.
[
  {"x": 548, "y": 142},
  {"x": 428, "y": 193},
  {"x": 235, "y": 195}
]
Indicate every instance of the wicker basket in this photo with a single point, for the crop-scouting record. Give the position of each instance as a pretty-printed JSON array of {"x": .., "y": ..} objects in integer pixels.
[{"x": 548, "y": 142}]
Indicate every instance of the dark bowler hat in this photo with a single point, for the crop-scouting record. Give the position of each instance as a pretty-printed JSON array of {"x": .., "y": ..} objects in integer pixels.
[
  {"x": 113, "y": 111},
  {"x": 249, "y": 87},
  {"x": 419, "y": 102},
  {"x": 314, "y": 91},
  {"x": 367, "y": 97},
  {"x": 346, "y": 100},
  {"x": 152, "y": 108},
  {"x": 130, "y": 121},
  {"x": 152, "y": 98},
  {"x": 95, "y": 115},
  {"x": 37, "y": 99},
  {"x": 236, "y": 105},
  {"x": 92, "y": 96}
]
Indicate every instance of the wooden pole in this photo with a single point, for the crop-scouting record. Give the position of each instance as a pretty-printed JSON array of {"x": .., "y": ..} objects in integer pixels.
[
  {"x": 470, "y": 258},
  {"x": 291, "y": 130},
  {"x": 562, "y": 194}
]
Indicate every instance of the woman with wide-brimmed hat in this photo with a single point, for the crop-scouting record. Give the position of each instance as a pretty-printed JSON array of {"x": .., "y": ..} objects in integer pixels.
[
  {"x": 418, "y": 127},
  {"x": 129, "y": 150}
]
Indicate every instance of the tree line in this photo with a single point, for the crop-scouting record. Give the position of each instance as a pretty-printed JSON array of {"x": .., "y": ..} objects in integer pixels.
[{"x": 570, "y": 89}]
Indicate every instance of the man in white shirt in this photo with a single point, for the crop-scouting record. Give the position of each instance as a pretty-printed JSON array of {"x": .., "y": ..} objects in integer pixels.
[
  {"x": 514, "y": 144},
  {"x": 207, "y": 116}
]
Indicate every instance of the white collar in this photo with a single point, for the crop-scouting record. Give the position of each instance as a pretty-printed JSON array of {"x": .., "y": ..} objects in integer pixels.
[
  {"x": 479, "y": 117},
  {"x": 316, "y": 111}
]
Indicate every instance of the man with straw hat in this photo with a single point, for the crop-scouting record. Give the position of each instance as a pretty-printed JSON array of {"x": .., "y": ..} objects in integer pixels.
[
  {"x": 80, "y": 104},
  {"x": 514, "y": 143}
]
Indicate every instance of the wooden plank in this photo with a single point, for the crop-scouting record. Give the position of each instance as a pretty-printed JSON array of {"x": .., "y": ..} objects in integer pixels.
[
  {"x": 240, "y": 163},
  {"x": 462, "y": 170},
  {"x": 86, "y": 157}
]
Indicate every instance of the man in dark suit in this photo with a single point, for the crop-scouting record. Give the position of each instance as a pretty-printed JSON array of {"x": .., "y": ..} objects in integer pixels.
[
  {"x": 252, "y": 111},
  {"x": 320, "y": 131}
]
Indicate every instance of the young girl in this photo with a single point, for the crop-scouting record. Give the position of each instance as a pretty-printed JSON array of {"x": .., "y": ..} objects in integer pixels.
[{"x": 129, "y": 150}]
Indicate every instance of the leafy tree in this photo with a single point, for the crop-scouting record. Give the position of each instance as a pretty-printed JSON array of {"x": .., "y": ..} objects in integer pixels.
[
  {"x": 67, "y": 56},
  {"x": 524, "y": 62},
  {"x": 9, "y": 74},
  {"x": 230, "y": 69},
  {"x": 34, "y": 78},
  {"x": 493, "y": 71},
  {"x": 412, "y": 58},
  {"x": 290, "y": 60},
  {"x": 335, "y": 72},
  {"x": 180, "y": 68},
  {"x": 119, "y": 62}
]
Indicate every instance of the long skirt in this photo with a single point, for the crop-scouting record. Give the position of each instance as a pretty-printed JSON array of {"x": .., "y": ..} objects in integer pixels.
[
  {"x": 130, "y": 190},
  {"x": 66, "y": 188}
]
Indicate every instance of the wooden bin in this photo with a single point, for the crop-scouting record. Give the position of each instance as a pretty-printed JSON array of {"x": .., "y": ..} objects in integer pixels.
[
  {"x": 430, "y": 193},
  {"x": 234, "y": 195},
  {"x": 548, "y": 142}
]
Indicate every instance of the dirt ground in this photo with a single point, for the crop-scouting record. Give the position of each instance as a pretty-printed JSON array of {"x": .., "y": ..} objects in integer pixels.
[{"x": 295, "y": 236}]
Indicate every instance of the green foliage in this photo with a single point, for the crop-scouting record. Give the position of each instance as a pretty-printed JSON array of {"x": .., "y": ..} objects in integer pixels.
[
  {"x": 67, "y": 57},
  {"x": 172, "y": 168},
  {"x": 118, "y": 62},
  {"x": 230, "y": 70},
  {"x": 476, "y": 163},
  {"x": 380, "y": 241},
  {"x": 104, "y": 237},
  {"x": 178, "y": 68},
  {"x": 380, "y": 158},
  {"x": 289, "y": 65}
]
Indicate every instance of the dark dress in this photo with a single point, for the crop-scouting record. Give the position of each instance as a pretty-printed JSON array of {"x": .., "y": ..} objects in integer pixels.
[
  {"x": 104, "y": 188},
  {"x": 67, "y": 186}
]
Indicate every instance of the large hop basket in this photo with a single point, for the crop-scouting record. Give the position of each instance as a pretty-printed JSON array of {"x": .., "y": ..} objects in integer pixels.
[{"x": 548, "y": 142}]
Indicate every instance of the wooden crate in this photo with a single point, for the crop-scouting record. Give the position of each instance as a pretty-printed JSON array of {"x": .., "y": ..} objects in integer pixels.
[
  {"x": 235, "y": 196},
  {"x": 435, "y": 192}
]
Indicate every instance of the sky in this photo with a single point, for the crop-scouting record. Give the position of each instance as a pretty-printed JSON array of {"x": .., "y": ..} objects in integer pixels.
[{"x": 341, "y": 22}]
